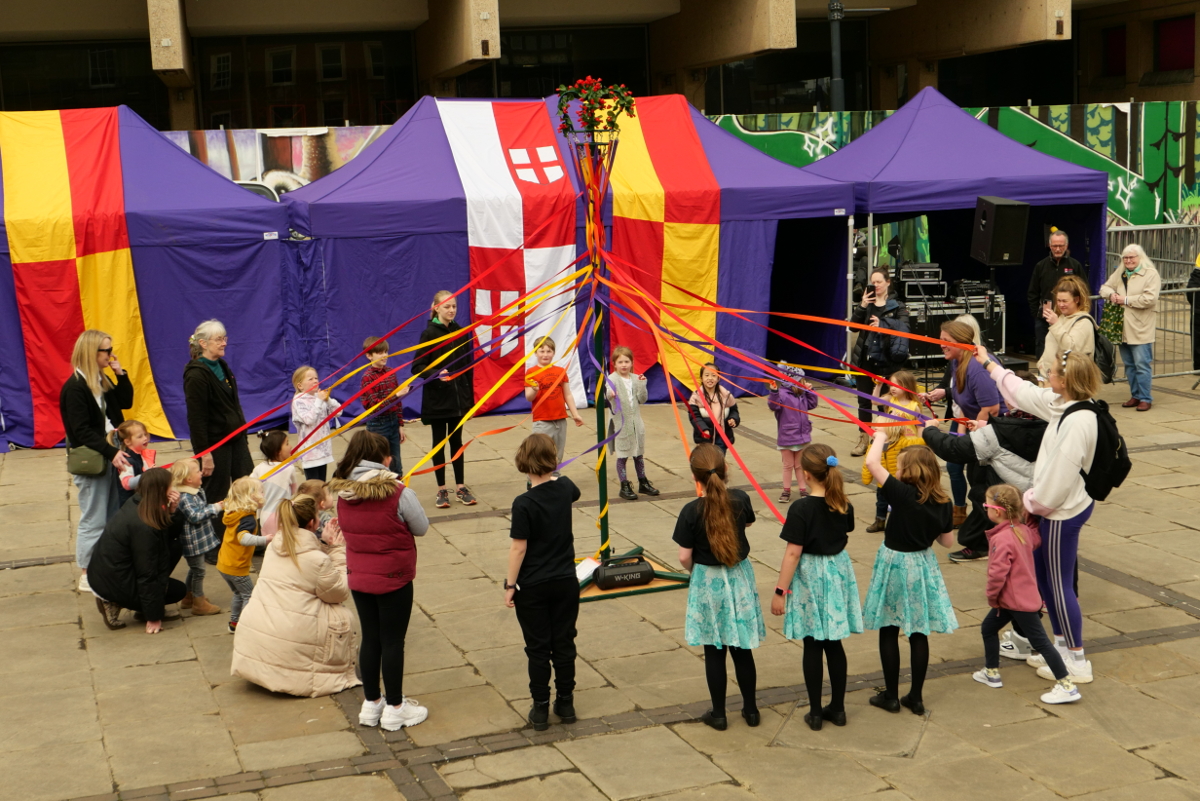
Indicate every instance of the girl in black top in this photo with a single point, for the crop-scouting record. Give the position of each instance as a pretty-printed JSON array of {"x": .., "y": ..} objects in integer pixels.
[
  {"x": 723, "y": 609},
  {"x": 541, "y": 581},
  {"x": 821, "y": 598},
  {"x": 907, "y": 591}
]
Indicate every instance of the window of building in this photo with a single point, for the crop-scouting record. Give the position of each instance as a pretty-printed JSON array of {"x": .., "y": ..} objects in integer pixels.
[
  {"x": 1112, "y": 52},
  {"x": 281, "y": 66},
  {"x": 388, "y": 111},
  {"x": 1175, "y": 44},
  {"x": 222, "y": 69},
  {"x": 102, "y": 68},
  {"x": 333, "y": 111},
  {"x": 221, "y": 119},
  {"x": 329, "y": 58},
  {"x": 287, "y": 116},
  {"x": 375, "y": 60}
]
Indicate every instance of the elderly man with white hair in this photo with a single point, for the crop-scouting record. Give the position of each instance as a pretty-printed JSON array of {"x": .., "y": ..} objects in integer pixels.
[
  {"x": 1046, "y": 274},
  {"x": 1136, "y": 285}
]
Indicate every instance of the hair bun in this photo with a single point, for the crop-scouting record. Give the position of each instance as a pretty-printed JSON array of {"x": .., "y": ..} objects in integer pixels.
[
  {"x": 831, "y": 461},
  {"x": 262, "y": 434}
]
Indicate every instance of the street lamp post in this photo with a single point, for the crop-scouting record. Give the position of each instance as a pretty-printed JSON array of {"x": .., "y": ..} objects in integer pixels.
[{"x": 837, "y": 87}]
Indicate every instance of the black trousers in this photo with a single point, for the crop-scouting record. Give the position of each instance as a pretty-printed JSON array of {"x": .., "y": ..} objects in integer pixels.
[
  {"x": 384, "y": 620},
  {"x": 441, "y": 426},
  {"x": 864, "y": 384},
  {"x": 547, "y": 613},
  {"x": 1030, "y": 627},
  {"x": 1040, "y": 329},
  {"x": 231, "y": 461},
  {"x": 316, "y": 473},
  {"x": 172, "y": 594}
]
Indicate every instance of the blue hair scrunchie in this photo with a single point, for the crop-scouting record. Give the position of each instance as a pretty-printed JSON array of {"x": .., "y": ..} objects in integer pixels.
[{"x": 831, "y": 461}]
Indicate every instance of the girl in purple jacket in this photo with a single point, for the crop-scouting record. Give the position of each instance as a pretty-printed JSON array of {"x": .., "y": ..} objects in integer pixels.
[{"x": 791, "y": 407}]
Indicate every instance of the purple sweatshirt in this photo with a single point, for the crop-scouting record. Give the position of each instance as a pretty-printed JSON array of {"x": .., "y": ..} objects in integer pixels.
[{"x": 791, "y": 413}]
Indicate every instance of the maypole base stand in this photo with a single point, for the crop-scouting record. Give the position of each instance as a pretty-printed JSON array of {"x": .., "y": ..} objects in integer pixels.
[{"x": 664, "y": 579}]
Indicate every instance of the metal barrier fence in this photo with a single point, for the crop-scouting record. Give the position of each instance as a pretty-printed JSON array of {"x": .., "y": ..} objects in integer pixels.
[{"x": 1173, "y": 249}]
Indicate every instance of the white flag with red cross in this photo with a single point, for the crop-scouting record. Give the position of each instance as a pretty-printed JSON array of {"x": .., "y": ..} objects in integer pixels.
[{"x": 518, "y": 196}]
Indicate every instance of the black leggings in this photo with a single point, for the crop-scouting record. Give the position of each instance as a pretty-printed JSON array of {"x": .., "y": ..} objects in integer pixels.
[
  {"x": 718, "y": 677},
  {"x": 441, "y": 426},
  {"x": 813, "y": 673},
  {"x": 384, "y": 620},
  {"x": 231, "y": 461},
  {"x": 889, "y": 655},
  {"x": 864, "y": 384}
]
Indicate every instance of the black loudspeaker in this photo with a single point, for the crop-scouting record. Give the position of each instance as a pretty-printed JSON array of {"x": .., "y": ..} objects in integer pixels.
[{"x": 998, "y": 238}]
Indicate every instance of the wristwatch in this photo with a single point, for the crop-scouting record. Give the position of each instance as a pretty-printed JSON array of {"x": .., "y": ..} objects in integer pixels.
[{"x": 508, "y": 586}]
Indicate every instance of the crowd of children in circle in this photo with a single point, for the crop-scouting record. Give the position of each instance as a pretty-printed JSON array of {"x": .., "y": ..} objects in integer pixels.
[{"x": 353, "y": 537}]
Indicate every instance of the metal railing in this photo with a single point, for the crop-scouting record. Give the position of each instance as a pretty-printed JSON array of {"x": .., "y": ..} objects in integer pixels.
[{"x": 1173, "y": 249}]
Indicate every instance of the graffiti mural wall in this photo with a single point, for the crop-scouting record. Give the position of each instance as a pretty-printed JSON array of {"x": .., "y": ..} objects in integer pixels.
[{"x": 1149, "y": 150}]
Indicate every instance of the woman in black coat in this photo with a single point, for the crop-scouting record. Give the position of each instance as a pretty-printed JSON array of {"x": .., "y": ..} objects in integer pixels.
[
  {"x": 214, "y": 411},
  {"x": 132, "y": 564},
  {"x": 878, "y": 353},
  {"x": 446, "y": 400},
  {"x": 91, "y": 406}
]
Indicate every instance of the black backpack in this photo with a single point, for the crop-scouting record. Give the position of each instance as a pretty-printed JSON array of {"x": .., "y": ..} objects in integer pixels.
[
  {"x": 1104, "y": 353},
  {"x": 1110, "y": 464}
]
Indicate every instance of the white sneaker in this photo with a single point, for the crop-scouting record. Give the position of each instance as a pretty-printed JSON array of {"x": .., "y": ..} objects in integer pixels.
[
  {"x": 990, "y": 677},
  {"x": 1079, "y": 672},
  {"x": 1063, "y": 692},
  {"x": 1039, "y": 661},
  {"x": 1014, "y": 646},
  {"x": 83, "y": 583},
  {"x": 409, "y": 713},
  {"x": 370, "y": 712}
]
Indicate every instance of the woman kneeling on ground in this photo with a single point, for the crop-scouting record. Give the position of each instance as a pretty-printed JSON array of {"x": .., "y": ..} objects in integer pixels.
[
  {"x": 132, "y": 563},
  {"x": 296, "y": 635}
]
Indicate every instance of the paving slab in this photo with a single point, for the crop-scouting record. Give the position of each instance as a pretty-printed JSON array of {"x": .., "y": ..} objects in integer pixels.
[
  {"x": 556, "y": 787},
  {"x": 27, "y": 779},
  {"x": 299, "y": 750},
  {"x": 868, "y": 731},
  {"x": 1147, "y": 619},
  {"x": 963, "y": 778},
  {"x": 36, "y": 720},
  {"x": 436, "y": 681},
  {"x": 778, "y": 774},
  {"x": 358, "y": 788},
  {"x": 507, "y": 669},
  {"x": 1143, "y": 665},
  {"x": 1163, "y": 789},
  {"x": 738, "y": 737},
  {"x": 166, "y": 750},
  {"x": 253, "y": 714},
  {"x": 1181, "y": 757},
  {"x": 641, "y": 763},
  {"x": 1093, "y": 762},
  {"x": 468, "y": 712},
  {"x": 504, "y": 767}
]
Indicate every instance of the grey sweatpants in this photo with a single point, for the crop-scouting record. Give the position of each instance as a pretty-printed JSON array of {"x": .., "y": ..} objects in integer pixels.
[{"x": 555, "y": 430}]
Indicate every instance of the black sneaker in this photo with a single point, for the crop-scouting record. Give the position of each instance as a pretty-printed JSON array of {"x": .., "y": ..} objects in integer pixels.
[
  {"x": 967, "y": 555},
  {"x": 465, "y": 497},
  {"x": 443, "y": 499}
]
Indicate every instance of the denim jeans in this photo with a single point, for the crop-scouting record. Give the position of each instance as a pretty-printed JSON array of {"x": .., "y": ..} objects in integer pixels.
[
  {"x": 97, "y": 503},
  {"x": 390, "y": 430},
  {"x": 1139, "y": 360},
  {"x": 195, "y": 575}
]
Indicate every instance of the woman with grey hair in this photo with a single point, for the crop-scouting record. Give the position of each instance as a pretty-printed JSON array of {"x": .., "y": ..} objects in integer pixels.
[
  {"x": 214, "y": 411},
  {"x": 1135, "y": 285}
]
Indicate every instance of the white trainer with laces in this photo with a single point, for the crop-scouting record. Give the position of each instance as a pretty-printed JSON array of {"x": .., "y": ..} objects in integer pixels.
[
  {"x": 370, "y": 712},
  {"x": 1079, "y": 672},
  {"x": 409, "y": 713},
  {"x": 1063, "y": 692},
  {"x": 989, "y": 677},
  {"x": 83, "y": 585},
  {"x": 1014, "y": 646}
]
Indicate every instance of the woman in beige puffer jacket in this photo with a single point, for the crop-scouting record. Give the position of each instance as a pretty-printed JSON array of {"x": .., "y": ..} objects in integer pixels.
[{"x": 296, "y": 635}]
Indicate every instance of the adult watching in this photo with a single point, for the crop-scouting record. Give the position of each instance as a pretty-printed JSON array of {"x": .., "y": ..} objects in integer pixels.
[
  {"x": 1046, "y": 275},
  {"x": 379, "y": 518},
  {"x": 1135, "y": 285},
  {"x": 296, "y": 635},
  {"x": 1071, "y": 327},
  {"x": 974, "y": 397},
  {"x": 131, "y": 567},
  {"x": 90, "y": 405},
  {"x": 214, "y": 411},
  {"x": 1058, "y": 495},
  {"x": 876, "y": 352}
]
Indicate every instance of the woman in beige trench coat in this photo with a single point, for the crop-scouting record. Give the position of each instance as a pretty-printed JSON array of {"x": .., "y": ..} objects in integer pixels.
[{"x": 296, "y": 634}]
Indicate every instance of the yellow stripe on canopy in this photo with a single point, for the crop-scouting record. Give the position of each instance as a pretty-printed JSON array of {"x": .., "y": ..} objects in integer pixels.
[{"x": 37, "y": 189}]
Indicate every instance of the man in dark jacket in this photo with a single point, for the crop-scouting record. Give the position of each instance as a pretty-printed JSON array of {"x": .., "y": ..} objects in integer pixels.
[{"x": 1041, "y": 286}]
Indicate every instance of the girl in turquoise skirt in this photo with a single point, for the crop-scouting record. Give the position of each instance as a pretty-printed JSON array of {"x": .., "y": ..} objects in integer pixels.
[
  {"x": 723, "y": 611},
  {"x": 907, "y": 591},
  {"x": 821, "y": 598}
]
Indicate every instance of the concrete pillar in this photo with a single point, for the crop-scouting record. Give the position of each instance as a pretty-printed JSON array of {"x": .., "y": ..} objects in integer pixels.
[
  {"x": 459, "y": 36},
  {"x": 171, "y": 56}
]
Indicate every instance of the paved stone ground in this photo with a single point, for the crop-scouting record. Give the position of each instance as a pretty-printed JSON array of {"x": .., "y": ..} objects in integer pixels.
[{"x": 118, "y": 715}]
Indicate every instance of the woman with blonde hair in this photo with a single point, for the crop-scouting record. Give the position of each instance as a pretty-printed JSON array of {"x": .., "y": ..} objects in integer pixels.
[
  {"x": 90, "y": 404},
  {"x": 1135, "y": 286},
  {"x": 1071, "y": 327},
  {"x": 296, "y": 635}
]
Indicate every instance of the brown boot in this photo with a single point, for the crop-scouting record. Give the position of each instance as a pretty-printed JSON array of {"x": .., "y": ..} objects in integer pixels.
[
  {"x": 879, "y": 525},
  {"x": 186, "y": 603},
  {"x": 201, "y": 606},
  {"x": 864, "y": 442},
  {"x": 960, "y": 515}
]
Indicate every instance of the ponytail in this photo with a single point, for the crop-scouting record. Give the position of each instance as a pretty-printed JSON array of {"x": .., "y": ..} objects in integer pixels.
[
  {"x": 294, "y": 515},
  {"x": 820, "y": 462},
  {"x": 708, "y": 468}
]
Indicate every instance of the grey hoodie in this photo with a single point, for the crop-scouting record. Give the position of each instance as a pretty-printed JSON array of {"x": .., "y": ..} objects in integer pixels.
[{"x": 409, "y": 509}]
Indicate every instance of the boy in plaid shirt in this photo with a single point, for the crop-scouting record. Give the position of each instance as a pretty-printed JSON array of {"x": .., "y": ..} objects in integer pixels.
[
  {"x": 199, "y": 537},
  {"x": 388, "y": 420}
]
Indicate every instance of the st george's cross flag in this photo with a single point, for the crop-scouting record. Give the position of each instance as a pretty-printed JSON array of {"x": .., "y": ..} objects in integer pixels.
[{"x": 518, "y": 199}]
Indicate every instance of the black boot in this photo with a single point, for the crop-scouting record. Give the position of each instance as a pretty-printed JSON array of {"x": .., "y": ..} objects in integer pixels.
[
  {"x": 627, "y": 491},
  {"x": 564, "y": 708},
  {"x": 646, "y": 488},
  {"x": 539, "y": 716}
]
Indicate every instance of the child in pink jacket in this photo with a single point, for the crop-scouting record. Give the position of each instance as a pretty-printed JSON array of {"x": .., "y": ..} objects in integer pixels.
[{"x": 1012, "y": 592}]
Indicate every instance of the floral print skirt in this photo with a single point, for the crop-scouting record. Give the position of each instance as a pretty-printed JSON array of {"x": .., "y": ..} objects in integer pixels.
[
  {"x": 907, "y": 590},
  {"x": 824, "y": 600},
  {"x": 723, "y": 609}
]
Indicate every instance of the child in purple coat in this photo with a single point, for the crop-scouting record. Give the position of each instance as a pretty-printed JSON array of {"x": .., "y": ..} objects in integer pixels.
[{"x": 791, "y": 406}]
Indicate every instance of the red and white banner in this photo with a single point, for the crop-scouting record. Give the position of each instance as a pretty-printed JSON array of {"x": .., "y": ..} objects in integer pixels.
[{"x": 518, "y": 195}]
